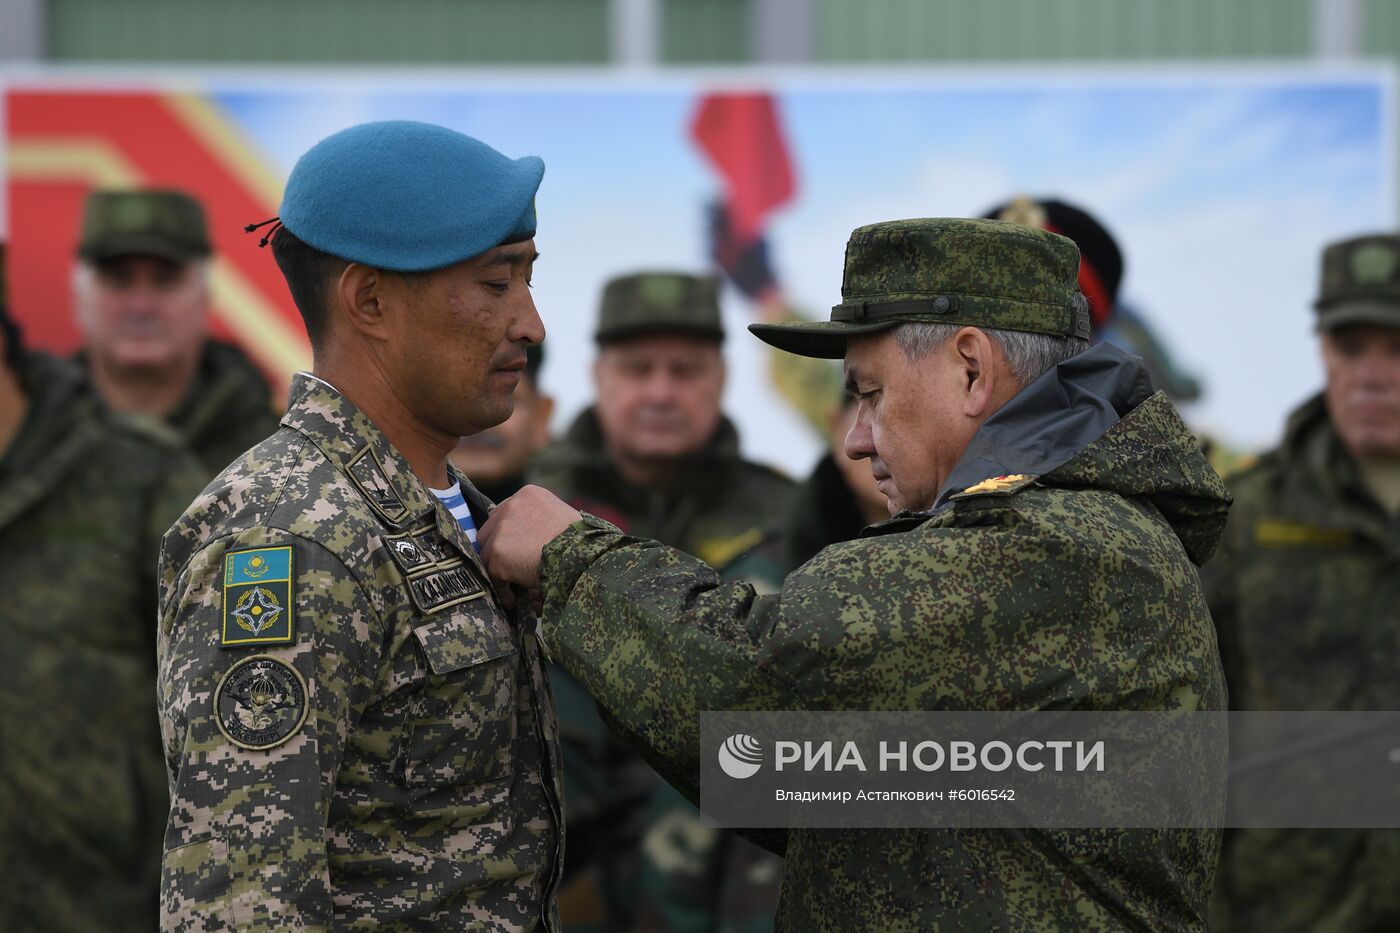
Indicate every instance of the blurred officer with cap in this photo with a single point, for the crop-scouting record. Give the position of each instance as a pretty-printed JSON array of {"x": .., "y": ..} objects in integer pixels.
[
  {"x": 141, "y": 290},
  {"x": 1050, "y": 511},
  {"x": 656, "y": 455},
  {"x": 358, "y": 733},
  {"x": 84, "y": 498},
  {"x": 1305, "y": 591}
]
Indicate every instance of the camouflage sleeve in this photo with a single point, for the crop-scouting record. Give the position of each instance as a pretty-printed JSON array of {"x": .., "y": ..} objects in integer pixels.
[
  {"x": 270, "y": 649},
  {"x": 655, "y": 636}
]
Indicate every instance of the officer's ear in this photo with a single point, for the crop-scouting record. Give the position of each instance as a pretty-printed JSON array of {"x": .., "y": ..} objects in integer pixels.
[
  {"x": 983, "y": 376},
  {"x": 358, "y": 301}
]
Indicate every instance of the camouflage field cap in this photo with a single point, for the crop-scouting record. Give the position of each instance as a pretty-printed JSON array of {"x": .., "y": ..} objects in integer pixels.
[
  {"x": 984, "y": 273},
  {"x": 1360, "y": 282},
  {"x": 169, "y": 224},
  {"x": 659, "y": 303}
]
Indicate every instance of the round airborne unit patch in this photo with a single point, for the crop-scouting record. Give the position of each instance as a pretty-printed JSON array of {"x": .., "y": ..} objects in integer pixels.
[{"x": 260, "y": 702}]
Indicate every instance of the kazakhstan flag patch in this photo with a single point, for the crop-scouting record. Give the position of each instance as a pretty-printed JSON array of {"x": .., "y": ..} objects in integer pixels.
[{"x": 257, "y": 597}]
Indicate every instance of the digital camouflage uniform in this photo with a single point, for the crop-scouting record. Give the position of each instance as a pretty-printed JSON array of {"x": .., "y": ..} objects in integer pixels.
[
  {"x": 649, "y": 859},
  {"x": 622, "y": 821},
  {"x": 227, "y": 409},
  {"x": 1072, "y": 585},
  {"x": 1305, "y": 591},
  {"x": 84, "y": 499},
  {"x": 318, "y": 577}
]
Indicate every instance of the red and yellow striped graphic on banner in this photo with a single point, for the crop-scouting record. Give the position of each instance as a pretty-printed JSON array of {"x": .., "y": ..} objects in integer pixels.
[{"x": 61, "y": 144}]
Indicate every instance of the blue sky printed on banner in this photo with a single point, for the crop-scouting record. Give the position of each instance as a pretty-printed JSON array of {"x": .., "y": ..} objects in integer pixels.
[{"x": 1221, "y": 191}]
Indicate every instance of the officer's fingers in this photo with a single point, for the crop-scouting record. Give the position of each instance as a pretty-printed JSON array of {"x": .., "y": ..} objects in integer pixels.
[
  {"x": 501, "y": 553},
  {"x": 487, "y": 531},
  {"x": 492, "y": 556}
]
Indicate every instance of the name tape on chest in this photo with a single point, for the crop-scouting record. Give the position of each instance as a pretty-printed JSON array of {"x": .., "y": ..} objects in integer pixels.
[
  {"x": 444, "y": 586},
  {"x": 1282, "y": 534},
  {"x": 257, "y": 602}
]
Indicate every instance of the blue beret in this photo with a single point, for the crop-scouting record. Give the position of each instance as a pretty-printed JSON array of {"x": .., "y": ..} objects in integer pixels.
[{"x": 409, "y": 196}]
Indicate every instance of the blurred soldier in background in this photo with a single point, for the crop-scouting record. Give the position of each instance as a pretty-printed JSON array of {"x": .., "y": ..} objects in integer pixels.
[
  {"x": 495, "y": 459},
  {"x": 1305, "y": 592},
  {"x": 656, "y": 456},
  {"x": 84, "y": 499},
  {"x": 141, "y": 290}
]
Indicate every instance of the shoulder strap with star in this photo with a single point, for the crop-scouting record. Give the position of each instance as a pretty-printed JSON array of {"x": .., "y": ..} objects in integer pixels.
[{"x": 997, "y": 486}]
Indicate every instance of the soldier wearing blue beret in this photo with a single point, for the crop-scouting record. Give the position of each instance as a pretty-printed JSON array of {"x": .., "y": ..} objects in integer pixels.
[{"x": 358, "y": 732}]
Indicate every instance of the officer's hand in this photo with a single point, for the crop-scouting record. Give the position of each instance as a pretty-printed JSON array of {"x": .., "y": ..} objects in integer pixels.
[{"x": 517, "y": 531}]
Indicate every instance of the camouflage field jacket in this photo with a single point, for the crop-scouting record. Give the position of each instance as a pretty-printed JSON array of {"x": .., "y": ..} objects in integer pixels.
[
  {"x": 1058, "y": 571},
  {"x": 357, "y": 735}
]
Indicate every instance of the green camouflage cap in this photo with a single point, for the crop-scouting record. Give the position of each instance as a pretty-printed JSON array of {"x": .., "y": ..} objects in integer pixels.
[
  {"x": 983, "y": 273},
  {"x": 1360, "y": 282},
  {"x": 659, "y": 303},
  {"x": 168, "y": 224}
]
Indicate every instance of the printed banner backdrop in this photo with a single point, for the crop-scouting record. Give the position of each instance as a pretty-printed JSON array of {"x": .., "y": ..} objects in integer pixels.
[{"x": 1221, "y": 188}]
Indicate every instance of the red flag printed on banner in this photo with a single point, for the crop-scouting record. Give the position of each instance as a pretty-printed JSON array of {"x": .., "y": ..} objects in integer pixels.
[{"x": 742, "y": 138}]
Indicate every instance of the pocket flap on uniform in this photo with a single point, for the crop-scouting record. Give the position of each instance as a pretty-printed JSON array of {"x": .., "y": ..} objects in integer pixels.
[{"x": 473, "y": 634}]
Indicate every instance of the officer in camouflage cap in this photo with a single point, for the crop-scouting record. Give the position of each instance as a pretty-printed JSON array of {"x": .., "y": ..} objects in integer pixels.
[
  {"x": 142, "y": 298},
  {"x": 656, "y": 455},
  {"x": 358, "y": 732},
  {"x": 1306, "y": 594},
  {"x": 1050, "y": 512}
]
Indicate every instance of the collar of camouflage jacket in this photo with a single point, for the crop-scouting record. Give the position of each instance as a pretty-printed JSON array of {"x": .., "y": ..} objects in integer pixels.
[
  {"x": 1052, "y": 419},
  {"x": 226, "y": 386},
  {"x": 361, "y": 451},
  {"x": 1094, "y": 421}
]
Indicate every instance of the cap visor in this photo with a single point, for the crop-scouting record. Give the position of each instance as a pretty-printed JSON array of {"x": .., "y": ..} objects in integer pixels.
[
  {"x": 1379, "y": 313},
  {"x": 824, "y": 340}
]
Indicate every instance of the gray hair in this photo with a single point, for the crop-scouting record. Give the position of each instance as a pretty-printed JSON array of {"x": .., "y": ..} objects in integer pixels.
[{"x": 1027, "y": 354}]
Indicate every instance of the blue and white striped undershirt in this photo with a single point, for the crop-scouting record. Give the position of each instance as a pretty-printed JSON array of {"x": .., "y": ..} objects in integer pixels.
[{"x": 457, "y": 505}]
